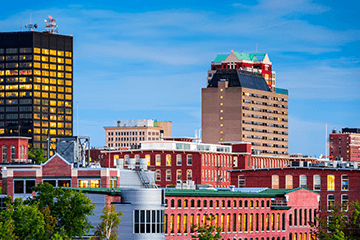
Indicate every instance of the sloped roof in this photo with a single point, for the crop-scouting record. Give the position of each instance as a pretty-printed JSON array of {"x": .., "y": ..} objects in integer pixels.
[
  {"x": 242, "y": 57},
  {"x": 239, "y": 78}
]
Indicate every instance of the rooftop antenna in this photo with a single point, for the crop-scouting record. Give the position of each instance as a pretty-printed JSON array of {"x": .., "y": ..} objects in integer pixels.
[
  {"x": 50, "y": 25},
  {"x": 31, "y": 26}
]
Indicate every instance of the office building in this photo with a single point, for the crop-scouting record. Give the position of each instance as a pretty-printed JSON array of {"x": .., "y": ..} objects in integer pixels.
[
  {"x": 345, "y": 145},
  {"x": 239, "y": 106},
  {"x": 257, "y": 62},
  {"x": 36, "y": 86},
  {"x": 128, "y": 134}
]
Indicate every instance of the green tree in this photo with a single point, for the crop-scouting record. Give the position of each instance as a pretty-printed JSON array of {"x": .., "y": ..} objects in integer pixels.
[
  {"x": 37, "y": 155},
  {"x": 7, "y": 226},
  {"x": 342, "y": 222},
  {"x": 68, "y": 208},
  {"x": 110, "y": 221},
  {"x": 207, "y": 232}
]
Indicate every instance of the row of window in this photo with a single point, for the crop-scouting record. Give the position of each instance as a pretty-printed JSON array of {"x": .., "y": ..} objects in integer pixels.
[
  {"x": 148, "y": 221},
  {"x": 234, "y": 204},
  {"x": 131, "y": 133},
  {"x": 37, "y": 64},
  {"x": 316, "y": 182},
  {"x": 265, "y": 103},
  {"x": 22, "y": 153},
  {"x": 264, "y": 97},
  {"x": 44, "y": 51},
  {"x": 131, "y": 139},
  {"x": 217, "y": 175},
  {"x": 227, "y": 223},
  {"x": 52, "y": 81}
]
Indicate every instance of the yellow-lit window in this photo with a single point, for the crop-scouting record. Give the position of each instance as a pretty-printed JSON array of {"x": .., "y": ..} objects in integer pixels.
[
  {"x": 172, "y": 223},
  {"x": 60, "y": 132},
  {"x": 45, "y": 80},
  {"x": 68, "y": 125},
  {"x": 36, "y": 115},
  {"x": 52, "y": 95},
  {"x": 52, "y": 74},
  {"x": 45, "y": 51},
  {"x": 37, "y": 72},
  {"x": 68, "y": 75},
  {"x": 25, "y": 94},
  {"x": 37, "y": 80},
  {"x": 37, "y": 50},
  {"x": 45, "y": 73},
  {"x": 26, "y": 86},
  {"x": 45, "y": 95},
  {"x": 44, "y": 65},
  {"x": 60, "y": 75},
  {"x": 67, "y": 54},
  {"x": 68, "y": 83},
  {"x": 68, "y": 68},
  {"x": 68, "y": 90},
  {"x": 12, "y": 87},
  {"x": 94, "y": 183},
  {"x": 52, "y": 103},
  {"x": 52, "y": 131},
  {"x": 53, "y": 59},
  {"x": 44, "y": 58},
  {"x": 37, "y": 58},
  {"x": 68, "y": 132},
  {"x": 53, "y": 124},
  {"x": 45, "y": 131},
  {"x": 37, "y": 94},
  {"x": 331, "y": 182},
  {"x": 61, "y": 96},
  {"x": 275, "y": 181},
  {"x": 278, "y": 222},
  {"x": 178, "y": 222},
  {"x": 37, "y": 130},
  {"x": 12, "y": 94},
  {"x": 36, "y": 65},
  {"x": 53, "y": 52},
  {"x": 60, "y": 89},
  {"x": 68, "y": 61},
  {"x": 53, "y": 110},
  {"x": 60, "y": 53},
  {"x": 61, "y": 67},
  {"x": 60, "y": 103},
  {"x": 60, "y": 82},
  {"x": 2, "y": 73},
  {"x": 168, "y": 159},
  {"x": 83, "y": 183},
  {"x": 52, "y": 81},
  {"x": 37, "y": 123},
  {"x": 53, "y": 88},
  {"x": 52, "y": 66},
  {"x": 289, "y": 182},
  {"x": 158, "y": 160},
  {"x": 45, "y": 87},
  {"x": 53, "y": 117},
  {"x": 60, "y": 60}
]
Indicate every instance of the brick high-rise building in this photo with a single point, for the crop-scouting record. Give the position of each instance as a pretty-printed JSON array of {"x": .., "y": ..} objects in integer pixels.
[
  {"x": 345, "y": 145},
  {"x": 36, "y": 85},
  {"x": 238, "y": 105}
]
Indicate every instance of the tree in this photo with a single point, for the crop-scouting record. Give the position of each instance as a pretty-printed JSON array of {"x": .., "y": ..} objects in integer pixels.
[
  {"x": 207, "y": 232},
  {"x": 7, "y": 226},
  {"x": 110, "y": 221},
  {"x": 342, "y": 222},
  {"x": 37, "y": 155},
  {"x": 68, "y": 209}
]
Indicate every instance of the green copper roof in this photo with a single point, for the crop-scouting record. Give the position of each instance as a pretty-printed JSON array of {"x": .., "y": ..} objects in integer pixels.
[
  {"x": 242, "y": 56},
  {"x": 112, "y": 191}
]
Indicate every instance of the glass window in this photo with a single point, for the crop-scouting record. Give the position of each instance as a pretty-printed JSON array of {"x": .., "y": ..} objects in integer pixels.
[
  {"x": 345, "y": 202},
  {"x": 19, "y": 186},
  {"x": 158, "y": 160},
  {"x": 331, "y": 201},
  {"x": 317, "y": 183},
  {"x": 289, "y": 182},
  {"x": 158, "y": 175},
  {"x": 168, "y": 159},
  {"x": 303, "y": 181},
  {"x": 13, "y": 153},
  {"x": 331, "y": 182},
  {"x": 168, "y": 175},
  {"x": 344, "y": 182},
  {"x": 189, "y": 174},
  {"x": 178, "y": 159},
  {"x": 189, "y": 159},
  {"x": 275, "y": 181},
  {"x": 178, "y": 175},
  {"x": 4, "y": 154}
]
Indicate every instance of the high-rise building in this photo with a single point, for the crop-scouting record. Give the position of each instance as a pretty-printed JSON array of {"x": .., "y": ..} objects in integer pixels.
[
  {"x": 257, "y": 63},
  {"x": 239, "y": 106},
  {"x": 345, "y": 145},
  {"x": 36, "y": 85}
]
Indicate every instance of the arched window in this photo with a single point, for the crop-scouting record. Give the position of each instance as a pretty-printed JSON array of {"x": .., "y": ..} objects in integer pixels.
[
  {"x": 185, "y": 224},
  {"x": 172, "y": 203},
  {"x": 257, "y": 222},
  {"x": 158, "y": 175},
  {"x": 262, "y": 222},
  {"x": 192, "y": 203},
  {"x": 290, "y": 220},
  {"x": 239, "y": 222},
  {"x": 251, "y": 203},
  {"x": 13, "y": 153},
  {"x": 179, "y": 203},
  {"x": 234, "y": 204},
  {"x": 246, "y": 204},
  {"x": 178, "y": 222},
  {"x": 240, "y": 204},
  {"x": 4, "y": 154},
  {"x": 300, "y": 217},
  {"x": 283, "y": 222},
  {"x": 198, "y": 203},
  {"x": 211, "y": 204},
  {"x": 262, "y": 203},
  {"x": 295, "y": 217},
  {"x": 204, "y": 204}
]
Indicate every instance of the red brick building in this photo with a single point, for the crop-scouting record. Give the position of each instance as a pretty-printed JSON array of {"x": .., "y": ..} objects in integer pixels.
[
  {"x": 333, "y": 184},
  {"x": 345, "y": 145},
  {"x": 14, "y": 149},
  {"x": 266, "y": 214}
]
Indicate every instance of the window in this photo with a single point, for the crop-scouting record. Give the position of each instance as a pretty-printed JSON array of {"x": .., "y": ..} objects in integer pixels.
[
  {"x": 303, "y": 181},
  {"x": 289, "y": 182},
  {"x": 4, "y": 154},
  {"x": 331, "y": 201},
  {"x": 189, "y": 174},
  {"x": 275, "y": 181},
  {"x": 58, "y": 182},
  {"x": 113, "y": 183},
  {"x": 158, "y": 175},
  {"x": 168, "y": 175},
  {"x": 178, "y": 175},
  {"x": 317, "y": 183},
  {"x": 178, "y": 160},
  {"x": 344, "y": 182},
  {"x": 13, "y": 153},
  {"x": 331, "y": 183},
  {"x": 89, "y": 183},
  {"x": 150, "y": 221},
  {"x": 241, "y": 181},
  {"x": 179, "y": 203},
  {"x": 158, "y": 159},
  {"x": 168, "y": 159},
  {"x": 24, "y": 186},
  {"x": 189, "y": 160},
  {"x": 345, "y": 202}
]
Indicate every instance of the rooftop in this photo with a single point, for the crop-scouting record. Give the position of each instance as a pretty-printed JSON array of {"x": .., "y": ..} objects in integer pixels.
[{"x": 242, "y": 57}]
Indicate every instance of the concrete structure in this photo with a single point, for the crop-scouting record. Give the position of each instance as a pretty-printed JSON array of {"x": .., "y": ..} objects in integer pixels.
[
  {"x": 345, "y": 145},
  {"x": 125, "y": 136},
  {"x": 258, "y": 63},
  {"x": 36, "y": 86},
  {"x": 239, "y": 106}
]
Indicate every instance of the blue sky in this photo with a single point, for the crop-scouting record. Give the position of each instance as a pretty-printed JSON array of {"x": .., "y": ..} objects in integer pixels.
[{"x": 148, "y": 59}]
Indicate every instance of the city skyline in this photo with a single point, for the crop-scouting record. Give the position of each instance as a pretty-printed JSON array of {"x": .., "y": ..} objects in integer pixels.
[{"x": 149, "y": 60}]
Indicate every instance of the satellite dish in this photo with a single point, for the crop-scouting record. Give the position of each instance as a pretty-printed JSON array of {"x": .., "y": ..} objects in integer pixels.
[{"x": 35, "y": 25}]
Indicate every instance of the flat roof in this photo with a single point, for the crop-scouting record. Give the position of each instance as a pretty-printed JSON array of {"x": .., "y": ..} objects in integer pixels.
[{"x": 284, "y": 168}]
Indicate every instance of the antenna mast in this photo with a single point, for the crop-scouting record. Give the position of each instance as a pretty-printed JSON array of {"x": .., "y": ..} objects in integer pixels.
[{"x": 50, "y": 25}]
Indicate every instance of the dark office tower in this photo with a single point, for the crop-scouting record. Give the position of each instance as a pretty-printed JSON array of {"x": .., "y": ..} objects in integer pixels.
[{"x": 36, "y": 86}]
